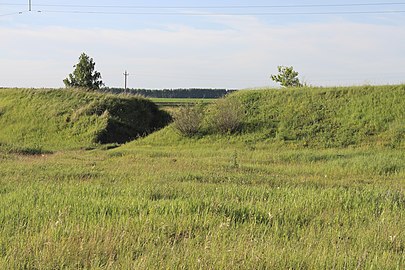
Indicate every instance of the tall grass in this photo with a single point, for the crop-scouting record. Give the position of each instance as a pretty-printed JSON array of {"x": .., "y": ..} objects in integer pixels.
[
  {"x": 216, "y": 202},
  {"x": 190, "y": 207}
]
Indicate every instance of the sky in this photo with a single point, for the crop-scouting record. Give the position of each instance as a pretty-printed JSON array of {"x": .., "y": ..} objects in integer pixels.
[{"x": 209, "y": 44}]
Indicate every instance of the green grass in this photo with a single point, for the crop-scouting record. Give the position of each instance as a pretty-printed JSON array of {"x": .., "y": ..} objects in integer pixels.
[
  {"x": 212, "y": 202},
  {"x": 327, "y": 117},
  {"x": 171, "y": 105},
  {"x": 200, "y": 206},
  {"x": 70, "y": 119},
  {"x": 181, "y": 100}
]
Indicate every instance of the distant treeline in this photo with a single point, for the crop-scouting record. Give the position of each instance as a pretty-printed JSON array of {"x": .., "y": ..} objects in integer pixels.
[{"x": 173, "y": 93}]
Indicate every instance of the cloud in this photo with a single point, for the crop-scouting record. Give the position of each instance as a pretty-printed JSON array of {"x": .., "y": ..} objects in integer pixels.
[{"x": 242, "y": 53}]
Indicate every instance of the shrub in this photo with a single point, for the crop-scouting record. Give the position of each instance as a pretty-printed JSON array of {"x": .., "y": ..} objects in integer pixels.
[
  {"x": 188, "y": 120},
  {"x": 226, "y": 115}
]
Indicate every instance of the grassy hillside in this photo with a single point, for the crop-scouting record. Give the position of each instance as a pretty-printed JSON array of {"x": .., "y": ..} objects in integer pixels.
[
  {"x": 62, "y": 119},
  {"x": 314, "y": 117},
  {"x": 268, "y": 197},
  {"x": 330, "y": 117}
]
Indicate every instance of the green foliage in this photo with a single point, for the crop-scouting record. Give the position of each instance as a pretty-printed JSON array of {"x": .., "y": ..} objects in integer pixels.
[
  {"x": 287, "y": 77},
  {"x": 125, "y": 118},
  {"x": 191, "y": 93},
  {"x": 225, "y": 115},
  {"x": 326, "y": 117},
  {"x": 84, "y": 75},
  {"x": 188, "y": 120},
  {"x": 316, "y": 117},
  {"x": 60, "y": 119}
]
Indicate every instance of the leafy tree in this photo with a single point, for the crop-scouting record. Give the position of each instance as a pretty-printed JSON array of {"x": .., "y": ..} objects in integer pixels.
[
  {"x": 287, "y": 77},
  {"x": 84, "y": 74}
]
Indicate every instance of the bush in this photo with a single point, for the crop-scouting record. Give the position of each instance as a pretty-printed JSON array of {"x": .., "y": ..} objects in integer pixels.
[
  {"x": 226, "y": 115},
  {"x": 188, "y": 120}
]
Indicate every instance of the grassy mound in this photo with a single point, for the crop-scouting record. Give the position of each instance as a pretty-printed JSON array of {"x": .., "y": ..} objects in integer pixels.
[
  {"x": 319, "y": 117},
  {"x": 62, "y": 119},
  {"x": 331, "y": 117}
]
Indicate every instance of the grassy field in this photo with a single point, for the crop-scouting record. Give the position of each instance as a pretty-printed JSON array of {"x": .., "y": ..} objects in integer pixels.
[
  {"x": 180, "y": 101},
  {"x": 242, "y": 201},
  {"x": 172, "y": 105}
]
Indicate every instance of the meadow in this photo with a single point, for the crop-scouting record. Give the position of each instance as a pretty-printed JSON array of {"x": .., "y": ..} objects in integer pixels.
[
  {"x": 250, "y": 200},
  {"x": 172, "y": 105},
  {"x": 180, "y": 101}
]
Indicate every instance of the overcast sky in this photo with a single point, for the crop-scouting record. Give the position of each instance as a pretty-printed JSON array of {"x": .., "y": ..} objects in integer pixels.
[{"x": 215, "y": 44}]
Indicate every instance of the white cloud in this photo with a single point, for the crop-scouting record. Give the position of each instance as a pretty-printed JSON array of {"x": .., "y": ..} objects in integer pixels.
[{"x": 241, "y": 54}]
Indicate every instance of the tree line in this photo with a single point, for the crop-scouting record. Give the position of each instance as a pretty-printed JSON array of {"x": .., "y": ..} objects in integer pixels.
[{"x": 172, "y": 93}]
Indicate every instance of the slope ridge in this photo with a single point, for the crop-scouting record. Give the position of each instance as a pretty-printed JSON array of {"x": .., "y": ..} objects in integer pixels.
[
  {"x": 70, "y": 119},
  {"x": 311, "y": 117}
]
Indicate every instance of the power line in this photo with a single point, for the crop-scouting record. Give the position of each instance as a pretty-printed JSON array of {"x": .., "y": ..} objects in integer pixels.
[
  {"x": 10, "y": 14},
  {"x": 213, "y": 7},
  {"x": 202, "y": 13},
  {"x": 224, "y": 14}
]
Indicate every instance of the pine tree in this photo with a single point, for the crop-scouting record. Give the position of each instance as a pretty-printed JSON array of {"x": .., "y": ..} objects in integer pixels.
[{"x": 84, "y": 75}]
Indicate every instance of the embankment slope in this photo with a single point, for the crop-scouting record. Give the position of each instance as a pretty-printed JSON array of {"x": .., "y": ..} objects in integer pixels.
[{"x": 69, "y": 119}]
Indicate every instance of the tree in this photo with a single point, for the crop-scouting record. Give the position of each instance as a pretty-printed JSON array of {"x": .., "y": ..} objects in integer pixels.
[
  {"x": 287, "y": 77},
  {"x": 84, "y": 74}
]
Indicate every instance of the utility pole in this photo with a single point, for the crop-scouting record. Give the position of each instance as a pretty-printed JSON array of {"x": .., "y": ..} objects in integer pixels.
[
  {"x": 126, "y": 74},
  {"x": 29, "y": 5}
]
